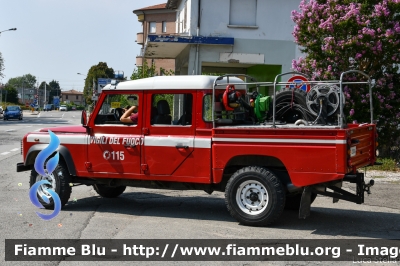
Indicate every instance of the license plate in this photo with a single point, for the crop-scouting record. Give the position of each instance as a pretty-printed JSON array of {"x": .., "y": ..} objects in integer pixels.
[{"x": 353, "y": 151}]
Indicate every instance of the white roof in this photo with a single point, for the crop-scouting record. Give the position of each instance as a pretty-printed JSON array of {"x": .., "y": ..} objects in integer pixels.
[{"x": 192, "y": 82}]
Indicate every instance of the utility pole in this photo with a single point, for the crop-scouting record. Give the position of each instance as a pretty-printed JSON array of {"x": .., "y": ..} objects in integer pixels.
[
  {"x": 1, "y": 94},
  {"x": 23, "y": 85},
  {"x": 45, "y": 99}
]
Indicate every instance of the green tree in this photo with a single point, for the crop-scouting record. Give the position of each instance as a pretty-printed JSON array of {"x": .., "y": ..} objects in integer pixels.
[
  {"x": 338, "y": 35},
  {"x": 146, "y": 71},
  {"x": 101, "y": 70},
  {"x": 25, "y": 81},
  {"x": 55, "y": 89},
  {"x": 10, "y": 94}
]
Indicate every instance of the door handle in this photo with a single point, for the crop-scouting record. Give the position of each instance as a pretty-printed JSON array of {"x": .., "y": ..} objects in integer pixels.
[
  {"x": 182, "y": 147},
  {"x": 130, "y": 146}
]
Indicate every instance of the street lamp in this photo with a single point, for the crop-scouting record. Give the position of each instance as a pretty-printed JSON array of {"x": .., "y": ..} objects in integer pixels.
[{"x": 8, "y": 30}]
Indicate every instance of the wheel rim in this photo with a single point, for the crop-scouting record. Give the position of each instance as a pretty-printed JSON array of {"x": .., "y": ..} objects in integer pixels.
[
  {"x": 252, "y": 197},
  {"x": 42, "y": 190}
]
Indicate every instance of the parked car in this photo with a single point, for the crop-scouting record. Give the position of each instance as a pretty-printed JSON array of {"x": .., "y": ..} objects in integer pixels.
[
  {"x": 63, "y": 108},
  {"x": 48, "y": 107},
  {"x": 12, "y": 112},
  {"x": 1, "y": 110}
]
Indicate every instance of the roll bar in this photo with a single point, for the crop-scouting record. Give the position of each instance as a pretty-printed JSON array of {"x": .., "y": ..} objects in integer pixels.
[{"x": 276, "y": 83}]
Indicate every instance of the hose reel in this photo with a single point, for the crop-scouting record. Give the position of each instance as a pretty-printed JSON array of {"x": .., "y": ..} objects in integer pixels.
[{"x": 323, "y": 101}]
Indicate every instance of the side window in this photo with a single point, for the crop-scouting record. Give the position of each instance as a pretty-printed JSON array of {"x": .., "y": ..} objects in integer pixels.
[
  {"x": 152, "y": 27},
  {"x": 114, "y": 106},
  {"x": 207, "y": 108},
  {"x": 237, "y": 15},
  {"x": 172, "y": 109}
]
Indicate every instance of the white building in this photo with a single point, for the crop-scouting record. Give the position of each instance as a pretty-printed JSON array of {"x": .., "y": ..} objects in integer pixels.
[{"x": 251, "y": 37}]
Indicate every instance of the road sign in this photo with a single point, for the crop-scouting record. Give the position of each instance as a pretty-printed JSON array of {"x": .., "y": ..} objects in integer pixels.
[
  {"x": 298, "y": 82},
  {"x": 101, "y": 83},
  {"x": 95, "y": 98}
]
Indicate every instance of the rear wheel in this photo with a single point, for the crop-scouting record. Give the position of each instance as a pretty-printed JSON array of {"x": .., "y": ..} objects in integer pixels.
[
  {"x": 291, "y": 105},
  {"x": 254, "y": 196},
  {"x": 109, "y": 192}
]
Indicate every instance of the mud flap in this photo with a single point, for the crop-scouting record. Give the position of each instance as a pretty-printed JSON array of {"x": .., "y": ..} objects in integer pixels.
[
  {"x": 305, "y": 203},
  {"x": 338, "y": 185}
]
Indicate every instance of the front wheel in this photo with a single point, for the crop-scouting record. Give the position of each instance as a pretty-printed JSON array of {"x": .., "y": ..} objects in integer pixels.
[
  {"x": 254, "y": 196},
  {"x": 59, "y": 180}
]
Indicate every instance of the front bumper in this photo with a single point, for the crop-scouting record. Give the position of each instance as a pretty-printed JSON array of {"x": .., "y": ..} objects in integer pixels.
[{"x": 21, "y": 167}]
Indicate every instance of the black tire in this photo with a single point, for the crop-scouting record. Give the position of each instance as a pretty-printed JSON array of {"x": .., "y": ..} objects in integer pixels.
[
  {"x": 293, "y": 201},
  {"x": 60, "y": 180},
  {"x": 254, "y": 196},
  {"x": 109, "y": 192},
  {"x": 291, "y": 105}
]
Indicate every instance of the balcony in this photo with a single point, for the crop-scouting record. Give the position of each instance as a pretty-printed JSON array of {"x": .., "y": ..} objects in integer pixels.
[
  {"x": 171, "y": 45},
  {"x": 139, "y": 38}
]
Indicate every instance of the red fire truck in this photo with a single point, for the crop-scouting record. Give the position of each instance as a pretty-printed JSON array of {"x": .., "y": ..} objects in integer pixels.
[{"x": 266, "y": 153}]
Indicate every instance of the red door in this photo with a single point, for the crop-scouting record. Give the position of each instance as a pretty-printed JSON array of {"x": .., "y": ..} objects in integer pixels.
[
  {"x": 169, "y": 136},
  {"x": 114, "y": 149}
]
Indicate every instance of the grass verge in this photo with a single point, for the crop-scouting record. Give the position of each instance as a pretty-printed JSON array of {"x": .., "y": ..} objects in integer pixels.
[{"x": 388, "y": 165}]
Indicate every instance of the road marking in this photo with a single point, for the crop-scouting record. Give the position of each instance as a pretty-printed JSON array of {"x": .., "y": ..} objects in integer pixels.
[
  {"x": 16, "y": 149},
  {"x": 4, "y": 153},
  {"x": 9, "y": 130}
]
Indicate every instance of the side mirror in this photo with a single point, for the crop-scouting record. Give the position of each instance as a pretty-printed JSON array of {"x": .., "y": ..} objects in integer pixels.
[
  {"x": 132, "y": 98},
  {"x": 84, "y": 118}
]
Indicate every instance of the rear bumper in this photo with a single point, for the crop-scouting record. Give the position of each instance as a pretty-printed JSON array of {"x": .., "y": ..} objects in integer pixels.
[{"x": 21, "y": 167}]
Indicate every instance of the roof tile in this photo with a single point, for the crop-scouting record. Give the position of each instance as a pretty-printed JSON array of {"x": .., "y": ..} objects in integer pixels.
[{"x": 159, "y": 6}]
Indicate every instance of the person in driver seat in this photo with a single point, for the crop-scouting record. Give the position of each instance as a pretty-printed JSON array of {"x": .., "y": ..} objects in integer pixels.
[{"x": 130, "y": 116}]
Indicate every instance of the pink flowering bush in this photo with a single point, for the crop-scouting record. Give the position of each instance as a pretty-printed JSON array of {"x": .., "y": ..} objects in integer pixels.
[{"x": 339, "y": 35}]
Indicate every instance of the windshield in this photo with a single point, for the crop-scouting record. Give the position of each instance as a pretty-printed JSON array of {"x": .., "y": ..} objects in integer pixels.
[{"x": 12, "y": 108}]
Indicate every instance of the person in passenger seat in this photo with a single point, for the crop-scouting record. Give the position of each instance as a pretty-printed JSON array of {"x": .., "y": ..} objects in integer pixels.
[{"x": 130, "y": 116}]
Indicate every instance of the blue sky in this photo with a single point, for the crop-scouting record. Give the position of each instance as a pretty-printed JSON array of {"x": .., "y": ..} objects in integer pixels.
[{"x": 55, "y": 39}]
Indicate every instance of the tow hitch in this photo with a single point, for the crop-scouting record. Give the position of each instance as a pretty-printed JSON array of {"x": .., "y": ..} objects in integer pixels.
[
  {"x": 367, "y": 187},
  {"x": 338, "y": 192}
]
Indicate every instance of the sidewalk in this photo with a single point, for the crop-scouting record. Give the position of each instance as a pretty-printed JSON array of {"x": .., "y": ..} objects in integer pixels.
[{"x": 382, "y": 176}]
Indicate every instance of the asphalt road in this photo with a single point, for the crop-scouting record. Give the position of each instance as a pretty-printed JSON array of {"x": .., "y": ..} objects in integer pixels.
[{"x": 164, "y": 214}]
